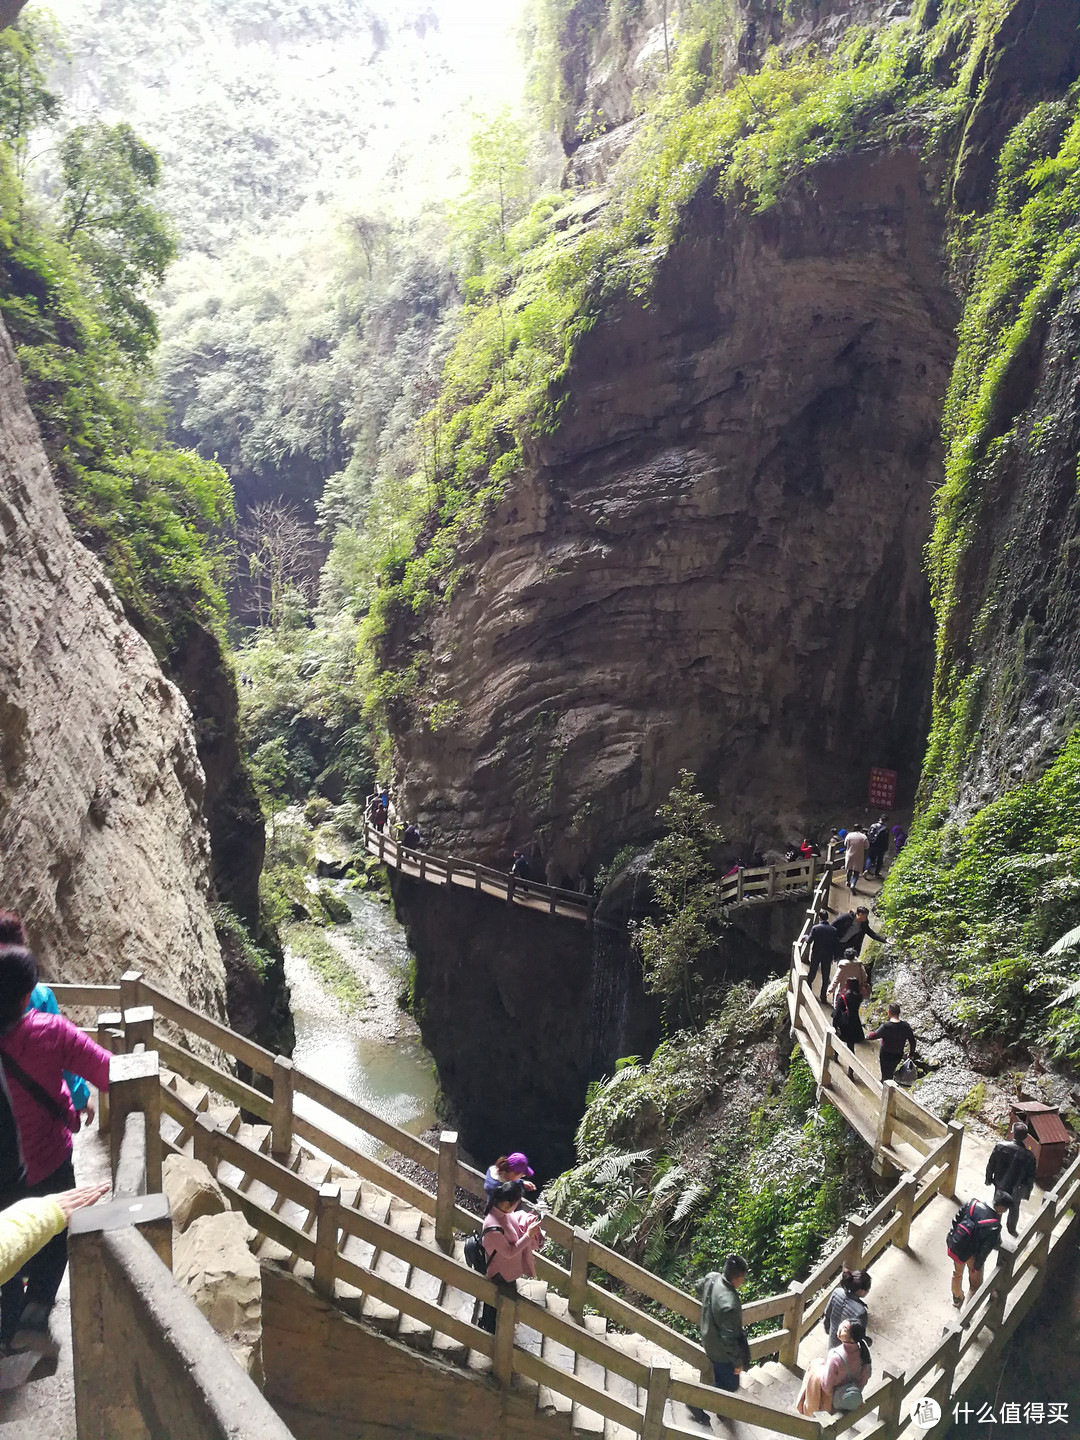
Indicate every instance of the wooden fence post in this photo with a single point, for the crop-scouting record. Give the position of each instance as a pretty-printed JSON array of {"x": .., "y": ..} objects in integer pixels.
[
  {"x": 906, "y": 1205},
  {"x": 793, "y": 1317},
  {"x": 1003, "y": 1280},
  {"x": 813, "y": 872},
  {"x": 798, "y": 1003},
  {"x": 382, "y": 847},
  {"x": 135, "y": 1085},
  {"x": 281, "y": 1113},
  {"x": 449, "y": 872},
  {"x": 108, "y": 1022},
  {"x": 889, "y": 1404},
  {"x": 659, "y": 1385},
  {"x": 956, "y": 1135},
  {"x": 444, "y": 1195},
  {"x": 739, "y": 885},
  {"x": 130, "y": 983},
  {"x": 826, "y": 1062},
  {"x": 772, "y": 880},
  {"x": 854, "y": 1247},
  {"x": 886, "y": 1111},
  {"x": 139, "y": 1028},
  {"x": 579, "y": 1273},
  {"x": 203, "y": 1142},
  {"x": 948, "y": 1355},
  {"x": 327, "y": 1219},
  {"x": 505, "y": 1322}
]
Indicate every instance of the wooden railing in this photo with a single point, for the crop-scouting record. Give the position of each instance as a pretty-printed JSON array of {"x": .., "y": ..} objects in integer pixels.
[
  {"x": 757, "y": 883},
  {"x": 137, "y": 1006}
]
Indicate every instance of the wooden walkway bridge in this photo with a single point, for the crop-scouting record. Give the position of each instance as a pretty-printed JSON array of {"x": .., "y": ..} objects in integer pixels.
[
  {"x": 388, "y": 1250},
  {"x": 766, "y": 882}
]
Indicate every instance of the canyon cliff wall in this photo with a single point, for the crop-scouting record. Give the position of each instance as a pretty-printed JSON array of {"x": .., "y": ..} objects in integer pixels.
[
  {"x": 716, "y": 560},
  {"x": 103, "y": 845}
]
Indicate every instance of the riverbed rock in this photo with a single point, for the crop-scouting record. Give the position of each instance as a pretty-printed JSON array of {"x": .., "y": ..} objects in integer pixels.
[
  {"x": 213, "y": 1263},
  {"x": 191, "y": 1190}
]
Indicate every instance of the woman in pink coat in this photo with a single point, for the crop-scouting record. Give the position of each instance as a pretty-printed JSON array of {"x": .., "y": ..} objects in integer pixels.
[
  {"x": 35, "y": 1050},
  {"x": 511, "y": 1237},
  {"x": 844, "y": 1362}
]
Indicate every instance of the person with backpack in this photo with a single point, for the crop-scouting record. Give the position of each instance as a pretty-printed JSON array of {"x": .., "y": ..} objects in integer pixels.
[
  {"x": 35, "y": 1050},
  {"x": 42, "y": 998},
  {"x": 878, "y": 836},
  {"x": 847, "y": 1302},
  {"x": 1011, "y": 1168},
  {"x": 835, "y": 1382},
  {"x": 722, "y": 1335},
  {"x": 847, "y": 1022},
  {"x": 824, "y": 948},
  {"x": 510, "y": 1238},
  {"x": 976, "y": 1230},
  {"x": 855, "y": 847},
  {"x": 895, "y": 1035}
]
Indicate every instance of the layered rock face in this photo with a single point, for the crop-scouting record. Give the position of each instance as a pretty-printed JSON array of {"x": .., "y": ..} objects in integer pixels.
[
  {"x": 103, "y": 846},
  {"x": 716, "y": 561}
]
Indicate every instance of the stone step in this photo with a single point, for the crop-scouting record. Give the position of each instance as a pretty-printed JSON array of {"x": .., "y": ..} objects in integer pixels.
[
  {"x": 552, "y": 1402},
  {"x": 255, "y": 1137},
  {"x": 406, "y": 1221},
  {"x": 583, "y": 1421}
]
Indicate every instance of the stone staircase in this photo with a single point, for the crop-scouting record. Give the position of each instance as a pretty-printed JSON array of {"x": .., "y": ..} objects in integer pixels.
[{"x": 576, "y": 1419}]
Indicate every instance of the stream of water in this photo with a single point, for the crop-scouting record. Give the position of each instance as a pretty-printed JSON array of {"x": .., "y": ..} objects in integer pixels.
[{"x": 374, "y": 1055}]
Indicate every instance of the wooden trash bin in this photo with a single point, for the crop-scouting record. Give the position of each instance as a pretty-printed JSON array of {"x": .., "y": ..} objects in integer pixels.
[{"x": 1048, "y": 1138}]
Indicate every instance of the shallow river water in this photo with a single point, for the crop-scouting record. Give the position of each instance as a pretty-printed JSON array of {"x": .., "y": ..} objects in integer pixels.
[{"x": 374, "y": 1055}]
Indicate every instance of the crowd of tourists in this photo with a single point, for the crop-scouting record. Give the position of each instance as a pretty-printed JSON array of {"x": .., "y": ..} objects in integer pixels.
[{"x": 47, "y": 1068}]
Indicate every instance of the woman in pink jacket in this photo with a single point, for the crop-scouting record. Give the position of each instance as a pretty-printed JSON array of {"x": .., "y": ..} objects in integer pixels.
[
  {"x": 511, "y": 1237},
  {"x": 35, "y": 1050}
]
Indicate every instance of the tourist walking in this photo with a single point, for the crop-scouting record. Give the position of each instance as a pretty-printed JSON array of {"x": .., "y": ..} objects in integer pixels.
[
  {"x": 845, "y": 1018},
  {"x": 835, "y": 1382},
  {"x": 878, "y": 836},
  {"x": 853, "y": 927},
  {"x": 42, "y": 998},
  {"x": 824, "y": 948},
  {"x": 410, "y": 837},
  {"x": 1011, "y": 1168},
  {"x": 976, "y": 1230},
  {"x": 511, "y": 1238},
  {"x": 722, "y": 1335},
  {"x": 855, "y": 847},
  {"x": 520, "y": 866},
  {"x": 507, "y": 1170},
  {"x": 895, "y": 1035},
  {"x": 850, "y": 968},
  {"x": 847, "y": 1302},
  {"x": 899, "y": 839},
  {"x": 35, "y": 1049}
]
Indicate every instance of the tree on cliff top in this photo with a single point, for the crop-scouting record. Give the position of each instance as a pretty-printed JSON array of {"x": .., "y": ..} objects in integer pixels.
[
  {"x": 109, "y": 220},
  {"x": 687, "y": 895}
]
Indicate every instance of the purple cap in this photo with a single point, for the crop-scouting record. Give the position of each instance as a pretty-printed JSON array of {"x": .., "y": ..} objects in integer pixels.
[{"x": 518, "y": 1161}]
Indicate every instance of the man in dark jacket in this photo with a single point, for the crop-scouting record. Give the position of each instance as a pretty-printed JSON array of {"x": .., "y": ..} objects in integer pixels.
[
  {"x": 976, "y": 1230},
  {"x": 894, "y": 1035},
  {"x": 722, "y": 1333},
  {"x": 854, "y": 927},
  {"x": 878, "y": 835},
  {"x": 824, "y": 948},
  {"x": 1011, "y": 1167}
]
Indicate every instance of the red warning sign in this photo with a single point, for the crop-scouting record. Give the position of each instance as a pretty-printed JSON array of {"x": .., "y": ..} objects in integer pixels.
[{"x": 882, "y": 789}]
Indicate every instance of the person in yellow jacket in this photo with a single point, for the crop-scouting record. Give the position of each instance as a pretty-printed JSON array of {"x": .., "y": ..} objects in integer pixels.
[{"x": 30, "y": 1224}]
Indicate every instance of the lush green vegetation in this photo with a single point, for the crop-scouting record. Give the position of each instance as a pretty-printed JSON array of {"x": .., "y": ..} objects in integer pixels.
[
  {"x": 711, "y": 1148},
  {"x": 991, "y": 893},
  {"x": 76, "y": 279},
  {"x": 686, "y": 894}
]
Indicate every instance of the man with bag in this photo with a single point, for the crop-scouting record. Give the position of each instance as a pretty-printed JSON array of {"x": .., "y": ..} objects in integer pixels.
[
  {"x": 1011, "y": 1167},
  {"x": 976, "y": 1230},
  {"x": 722, "y": 1333},
  {"x": 895, "y": 1035}
]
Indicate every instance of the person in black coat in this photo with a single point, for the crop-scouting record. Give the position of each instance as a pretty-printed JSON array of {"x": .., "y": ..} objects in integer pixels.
[
  {"x": 824, "y": 948},
  {"x": 1011, "y": 1168}
]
